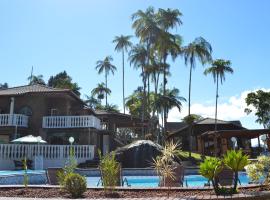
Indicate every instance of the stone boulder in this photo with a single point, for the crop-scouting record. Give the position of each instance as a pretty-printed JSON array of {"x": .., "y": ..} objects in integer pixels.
[{"x": 138, "y": 154}]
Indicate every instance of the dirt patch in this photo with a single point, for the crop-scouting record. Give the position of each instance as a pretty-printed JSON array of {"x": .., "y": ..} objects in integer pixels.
[{"x": 98, "y": 193}]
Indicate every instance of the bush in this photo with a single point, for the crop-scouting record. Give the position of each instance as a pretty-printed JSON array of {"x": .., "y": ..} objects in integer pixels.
[
  {"x": 75, "y": 184},
  {"x": 110, "y": 170}
]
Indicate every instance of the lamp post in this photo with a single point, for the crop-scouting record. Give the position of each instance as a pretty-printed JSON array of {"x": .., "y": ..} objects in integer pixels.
[{"x": 71, "y": 140}]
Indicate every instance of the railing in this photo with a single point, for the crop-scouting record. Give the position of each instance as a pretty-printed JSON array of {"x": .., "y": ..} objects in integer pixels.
[
  {"x": 84, "y": 121},
  {"x": 13, "y": 120},
  {"x": 29, "y": 151}
]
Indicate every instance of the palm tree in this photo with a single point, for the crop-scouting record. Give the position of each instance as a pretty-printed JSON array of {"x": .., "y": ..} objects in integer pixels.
[
  {"x": 122, "y": 44},
  {"x": 164, "y": 103},
  {"x": 100, "y": 91},
  {"x": 138, "y": 57},
  {"x": 106, "y": 66},
  {"x": 198, "y": 49},
  {"x": 91, "y": 101},
  {"x": 218, "y": 69},
  {"x": 36, "y": 80}
]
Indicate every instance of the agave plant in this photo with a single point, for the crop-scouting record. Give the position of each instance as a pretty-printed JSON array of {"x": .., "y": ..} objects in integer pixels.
[
  {"x": 236, "y": 161},
  {"x": 210, "y": 168}
]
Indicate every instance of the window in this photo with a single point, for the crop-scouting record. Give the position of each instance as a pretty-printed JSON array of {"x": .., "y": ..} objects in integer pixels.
[{"x": 26, "y": 110}]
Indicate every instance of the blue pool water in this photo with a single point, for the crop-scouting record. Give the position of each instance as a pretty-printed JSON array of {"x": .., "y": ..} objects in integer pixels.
[
  {"x": 152, "y": 181},
  {"x": 19, "y": 172},
  {"x": 133, "y": 181}
]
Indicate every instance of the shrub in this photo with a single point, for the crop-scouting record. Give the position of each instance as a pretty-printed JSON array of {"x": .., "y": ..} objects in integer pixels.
[
  {"x": 210, "y": 168},
  {"x": 233, "y": 160},
  {"x": 75, "y": 184},
  {"x": 236, "y": 161},
  {"x": 260, "y": 169},
  {"x": 110, "y": 170}
]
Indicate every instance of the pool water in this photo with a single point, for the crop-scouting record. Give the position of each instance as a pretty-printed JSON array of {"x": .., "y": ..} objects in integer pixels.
[
  {"x": 20, "y": 172},
  {"x": 152, "y": 181}
]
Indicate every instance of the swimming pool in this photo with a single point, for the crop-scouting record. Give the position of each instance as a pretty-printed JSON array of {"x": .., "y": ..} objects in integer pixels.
[
  {"x": 152, "y": 181},
  {"x": 20, "y": 172}
]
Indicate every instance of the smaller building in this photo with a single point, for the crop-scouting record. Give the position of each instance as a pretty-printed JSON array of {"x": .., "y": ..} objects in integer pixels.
[{"x": 205, "y": 140}]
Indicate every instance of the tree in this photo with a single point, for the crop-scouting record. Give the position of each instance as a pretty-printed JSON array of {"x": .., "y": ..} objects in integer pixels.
[
  {"x": 260, "y": 100},
  {"x": 105, "y": 66},
  {"x": 91, "y": 101},
  {"x": 100, "y": 91},
  {"x": 108, "y": 108},
  {"x": 64, "y": 81},
  {"x": 3, "y": 86},
  {"x": 164, "y": 103},
  {"x": 122, "y": 44},
  {"x": 218, "y": 69},
  {"x": 200, "y": 50},
  {"x": 36, "y": 80}
]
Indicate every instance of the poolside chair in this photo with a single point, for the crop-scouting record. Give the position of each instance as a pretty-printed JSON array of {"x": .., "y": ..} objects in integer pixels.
[
  {"x": 225, "y": 177},
  {"x": 52, "y": 175},
  {"x": 178, "y": 181}
]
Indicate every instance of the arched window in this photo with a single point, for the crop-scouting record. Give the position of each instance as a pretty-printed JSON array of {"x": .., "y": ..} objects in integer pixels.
[{"x": 26, "y": 110}]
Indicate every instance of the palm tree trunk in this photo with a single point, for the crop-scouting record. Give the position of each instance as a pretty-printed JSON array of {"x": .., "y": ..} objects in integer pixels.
[
  {"x": 189, "y": 94},
  {"x": 123, "y": 61},
  {"x": 148, "y": 92},
  {"x": 106, "y": 87},
  {"x": 216, "y": 105},
  {"x": 164, "y": 93}
]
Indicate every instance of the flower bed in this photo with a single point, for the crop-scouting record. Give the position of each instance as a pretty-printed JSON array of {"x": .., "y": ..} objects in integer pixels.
[{"x": 253, "y": 192}]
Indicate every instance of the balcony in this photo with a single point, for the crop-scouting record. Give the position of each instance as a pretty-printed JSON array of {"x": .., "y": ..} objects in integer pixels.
[
  {"x": 13, "y": 120},
  {"x": 85, "y": 121}
]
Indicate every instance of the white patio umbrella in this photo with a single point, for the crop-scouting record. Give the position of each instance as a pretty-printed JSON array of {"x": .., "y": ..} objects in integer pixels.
[{"x": 29, "y": 139}]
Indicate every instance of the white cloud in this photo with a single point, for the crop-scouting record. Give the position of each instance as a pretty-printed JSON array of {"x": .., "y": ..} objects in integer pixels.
[{"x": 230, "y": 109}]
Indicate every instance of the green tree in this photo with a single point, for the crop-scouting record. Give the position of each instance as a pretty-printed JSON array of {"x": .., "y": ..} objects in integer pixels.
[
  {"x": 100, "y": 91},
  {"x": 3, "y": 86},
  {"x": 260, "y": 100},
  {"x": 105, "y": 66},
  {"x": 64, "y": 81},
  {"x": 200, "y": 50},
  {"x": 91, "y": 101},
  {"x": 123, "y": 44},
  {"x": 36, "y": 80},
  {"x": 218, "y": 69},
  {"x": 108, "y": 108},
  {"x": 164, "y": 103}
]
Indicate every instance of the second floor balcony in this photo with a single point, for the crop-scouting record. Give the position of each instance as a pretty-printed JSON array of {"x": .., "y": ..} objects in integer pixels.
[
  {"x": 13, "y": 120},
  {"x": 84, "y": 121}
]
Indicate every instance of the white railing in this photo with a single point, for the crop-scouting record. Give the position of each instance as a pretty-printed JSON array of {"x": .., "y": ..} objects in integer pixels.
[
  {"x": 29, "y": 151},
  {"x": 84, "y": 121},
  {"x": 13, "y": 120}
]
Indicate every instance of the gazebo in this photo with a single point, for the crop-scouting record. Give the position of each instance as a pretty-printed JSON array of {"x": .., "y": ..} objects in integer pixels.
[{"x": 218, "y": 142}]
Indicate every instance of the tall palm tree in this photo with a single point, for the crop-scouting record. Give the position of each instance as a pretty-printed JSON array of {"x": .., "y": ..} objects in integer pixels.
[
  {"x": 138, "y": 57},
  {"x": 218, "y": 69},
  {"x": 100, "y": 91},
  {"x": 107, "y": 67},
  {"x": 122, "y": 44},
  {"x": 200, "y": 50}
]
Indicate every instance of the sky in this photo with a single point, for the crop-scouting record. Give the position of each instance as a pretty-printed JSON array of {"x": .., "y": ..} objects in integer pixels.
[{"x": 71, "y": 35}]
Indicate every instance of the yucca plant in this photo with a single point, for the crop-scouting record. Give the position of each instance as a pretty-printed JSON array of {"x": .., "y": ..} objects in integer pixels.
[
  {"x": 210, "y": 169},
  {"x": 236, "y": 161},
  {"x": 165, "y": 164}
]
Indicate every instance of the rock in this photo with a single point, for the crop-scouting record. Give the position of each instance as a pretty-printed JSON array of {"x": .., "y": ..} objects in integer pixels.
[{"x": 138, "y": 154}]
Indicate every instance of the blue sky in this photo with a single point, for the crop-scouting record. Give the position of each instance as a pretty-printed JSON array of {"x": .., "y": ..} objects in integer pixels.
[{"x": 71, "y": 35}]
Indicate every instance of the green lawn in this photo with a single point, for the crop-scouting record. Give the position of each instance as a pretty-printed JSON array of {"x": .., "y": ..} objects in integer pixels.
[{"x": 195, "y": 157}]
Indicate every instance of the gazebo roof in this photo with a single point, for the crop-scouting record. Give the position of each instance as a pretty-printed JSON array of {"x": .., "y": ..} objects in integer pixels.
[{"x": 244, "y": 133}]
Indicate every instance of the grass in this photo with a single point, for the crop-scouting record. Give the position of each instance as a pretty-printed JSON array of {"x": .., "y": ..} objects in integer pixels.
[{"x": 195, "y": 157}]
